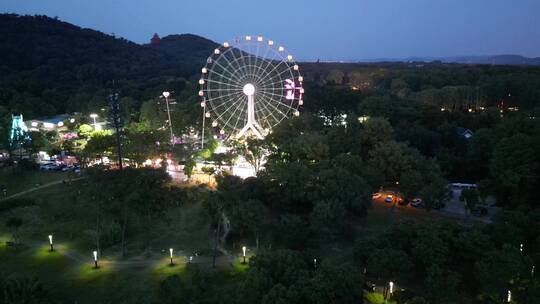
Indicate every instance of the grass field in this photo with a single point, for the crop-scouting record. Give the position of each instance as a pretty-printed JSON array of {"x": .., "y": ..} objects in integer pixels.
[{"x": 19, "y": 179}]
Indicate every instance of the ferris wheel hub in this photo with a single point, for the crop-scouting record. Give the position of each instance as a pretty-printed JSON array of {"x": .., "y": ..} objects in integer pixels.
[{"x": 249, "y": 89}]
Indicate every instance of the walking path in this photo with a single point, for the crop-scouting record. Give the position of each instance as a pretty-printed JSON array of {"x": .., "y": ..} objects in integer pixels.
[{"x": 38, "y": 188}]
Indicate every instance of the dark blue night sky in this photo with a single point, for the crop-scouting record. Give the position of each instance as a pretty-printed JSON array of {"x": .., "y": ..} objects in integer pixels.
[{"x": 319, "y": 29}]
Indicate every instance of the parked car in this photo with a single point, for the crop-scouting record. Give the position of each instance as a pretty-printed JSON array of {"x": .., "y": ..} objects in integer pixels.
[
  {"x": 480, "y": 211},
  {"x": 48, "y": 167},
  {"x": 403, "y": 202},
  {"x": 376, "y": 195},
  {"x": 389, "y": 199},
  {"x": 417, "y": 203}
]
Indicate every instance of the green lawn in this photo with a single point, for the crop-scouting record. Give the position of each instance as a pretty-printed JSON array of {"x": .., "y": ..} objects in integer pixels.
[
  {"x": 19, "y": 179},
  {"x": 69, "y": 214}
]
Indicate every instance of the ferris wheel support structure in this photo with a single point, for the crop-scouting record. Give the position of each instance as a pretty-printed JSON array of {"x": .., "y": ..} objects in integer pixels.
[{"x": 251, "y": 123}]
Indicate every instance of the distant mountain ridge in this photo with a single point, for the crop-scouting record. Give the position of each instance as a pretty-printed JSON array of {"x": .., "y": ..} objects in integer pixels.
[{"x": 509, "y": 59}]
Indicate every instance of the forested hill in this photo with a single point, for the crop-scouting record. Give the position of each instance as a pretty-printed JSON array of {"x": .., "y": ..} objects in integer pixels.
[{"x": 49, "y": 66}]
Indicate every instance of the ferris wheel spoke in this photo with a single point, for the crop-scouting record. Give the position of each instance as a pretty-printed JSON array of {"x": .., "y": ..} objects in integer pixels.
[
  {"x": 240, "y": 105},
  {"x": 224, "y": 98},
  {"x": 236, "y": 104},
  {"x": 238, "y": 118},
  {"x": 271, "y": 104},
  {"x": 277, "y": 76},
  {"x": 262, "y": 62},
  {"x": 223, "y": 83},
  {"x": 219, "y": 90},
  {"x": 269, "y": 111},
  {"x": 278, "y": 102},
  {"x": 275, "y": 68},
  {"x": 242, "y": 66},
  {"x": 216, "y": 62},
  {"x": 277, "y": 57},
  {"x": 220, "y": 105},
  {"x": 221, "y": 96},
  {"x": 229, "y": 63},
  {"x": 223, "y": 76}
]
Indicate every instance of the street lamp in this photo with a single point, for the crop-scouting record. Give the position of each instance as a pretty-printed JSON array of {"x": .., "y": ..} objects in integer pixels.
[
  {"x": 315, "y": 263},
  {"x": 244, "y": 253},
  {"x": 390, "y": 291},
  {"x": 166, "y": 95},
  {"x": 94, "y": 116},
  {"x": 521, "y": 247},
  {"x": 95, "y": 259},
  {"x": 509, "y": 297},
  {"x": 171, "y": 255},
  {"x": 190, "y": 259},
  {"x": 51, "y": 242}
]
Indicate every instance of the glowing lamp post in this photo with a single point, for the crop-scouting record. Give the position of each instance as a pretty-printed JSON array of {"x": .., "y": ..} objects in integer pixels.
[
  {"x": 94, "y": 116},
  {"x": 244, "y": 253},
  {"x": 95, "y": 259},
  {"x": 171, "y": 256},
  {"x": 190, "y": 259},
  {"x": 166, "y": 95},
  {"x": 390, "y": 291},
  {"x": 509, "y": 297},
  {"x": 51, "y": 242},
  {"x": 315, "y": 263}
]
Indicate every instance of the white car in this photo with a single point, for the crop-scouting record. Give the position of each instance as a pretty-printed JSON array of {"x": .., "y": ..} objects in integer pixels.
[
  {"x": 376, "y": 195},
  {"x": 417, "y": 202},
  {"x": 48, "y": 167}
]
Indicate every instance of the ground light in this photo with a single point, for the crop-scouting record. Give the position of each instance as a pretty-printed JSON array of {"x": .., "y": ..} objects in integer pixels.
[
  {"x": 244, "y": 253},
  {"x": 95, "y": 260},
  {"x": 315, "y": 263},
  {"x": 190, "y": 259},
  {"x": 51, "y": 242},
  {"x": 390, "y": 291},
  {"x": 509, "y": 297},
  {"x": 171, "y": 256}
]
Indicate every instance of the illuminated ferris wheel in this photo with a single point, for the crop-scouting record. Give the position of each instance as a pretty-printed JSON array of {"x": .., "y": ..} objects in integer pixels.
[{"x": 250, "y": 86}]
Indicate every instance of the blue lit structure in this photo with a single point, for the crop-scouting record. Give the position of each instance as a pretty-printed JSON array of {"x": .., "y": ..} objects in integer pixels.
[{"x": 18, "y": 134}]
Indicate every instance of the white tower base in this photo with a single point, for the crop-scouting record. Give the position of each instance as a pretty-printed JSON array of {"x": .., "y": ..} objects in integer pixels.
[{"x": 252, "y": 123}]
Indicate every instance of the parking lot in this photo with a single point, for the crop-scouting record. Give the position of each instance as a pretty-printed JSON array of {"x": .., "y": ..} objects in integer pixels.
[{"x": 454, "y": 208}]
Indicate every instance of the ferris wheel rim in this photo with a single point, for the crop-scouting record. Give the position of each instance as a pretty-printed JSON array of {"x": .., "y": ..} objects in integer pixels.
[{"x": 223, "y": 79}]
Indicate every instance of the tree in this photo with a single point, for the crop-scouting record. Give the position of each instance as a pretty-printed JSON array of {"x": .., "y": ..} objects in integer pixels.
[
  {"x": 328, "y": 218},
  {"x": 441, "y": 285},
  {"x": 429, "y": 249},
  {"x": 513, "y": 167},
  {"x": 374, "y": 131},
  {"x": 253, "y": 150},
  {"x": 27, "y": 290},
  {"x": 388, "y": 263},
  {"x": 247, "y": 216},
  {"x": 502, "y": 270},
  {"x": 85, "y": 130},
  {"x": 14, "y": 223},
  {"x": 209, "y": 171}
]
